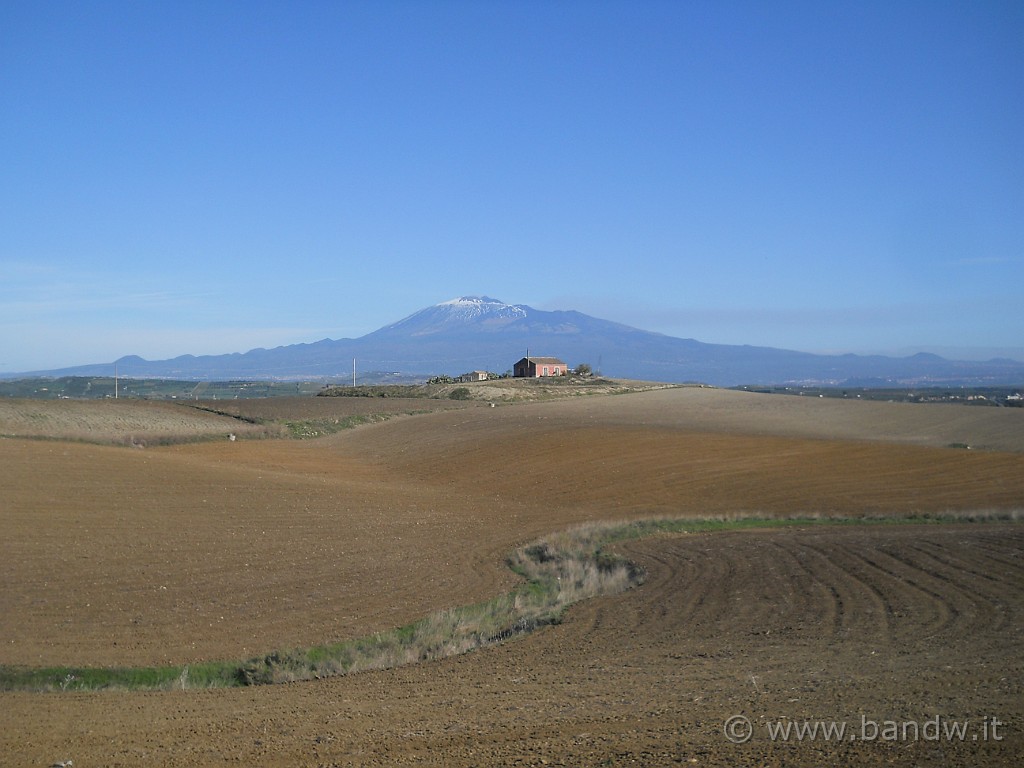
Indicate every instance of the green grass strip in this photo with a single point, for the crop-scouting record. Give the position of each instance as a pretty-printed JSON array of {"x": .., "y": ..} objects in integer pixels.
[{"x": 210, "y": 674}]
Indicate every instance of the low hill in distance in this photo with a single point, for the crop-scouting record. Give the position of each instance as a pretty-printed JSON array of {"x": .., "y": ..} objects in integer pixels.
[
  {"x": 480, "y": 333},
  {"x": 211, "y": 412},
  {"x": 636, "y": 405}
]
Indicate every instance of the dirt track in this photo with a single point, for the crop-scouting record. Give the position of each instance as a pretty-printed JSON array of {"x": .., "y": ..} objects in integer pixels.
[{"x": 294, "y": 543}]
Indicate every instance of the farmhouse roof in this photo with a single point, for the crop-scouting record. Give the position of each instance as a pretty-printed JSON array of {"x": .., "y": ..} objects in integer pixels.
[{"x": 544, "y": 360}]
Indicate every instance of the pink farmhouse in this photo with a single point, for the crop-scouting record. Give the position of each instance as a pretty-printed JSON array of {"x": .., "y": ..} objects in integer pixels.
[{"x": 535, "y": 367}]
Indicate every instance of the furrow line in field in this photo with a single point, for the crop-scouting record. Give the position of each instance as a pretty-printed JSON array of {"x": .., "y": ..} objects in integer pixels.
[
  {"x": 909, "y": 615},
  {"x": 866, "y": 605}
]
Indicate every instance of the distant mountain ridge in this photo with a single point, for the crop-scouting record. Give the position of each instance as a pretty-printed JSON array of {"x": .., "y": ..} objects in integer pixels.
[{"x": 479, "y": 332}]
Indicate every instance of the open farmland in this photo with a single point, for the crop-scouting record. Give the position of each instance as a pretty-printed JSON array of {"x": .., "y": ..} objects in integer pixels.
[
  {"x": 128, "y": 421},
  {"x": 314, "y": 408},
  {"x": 122, "y": 421},
  {"x": 221, "y": 550}
]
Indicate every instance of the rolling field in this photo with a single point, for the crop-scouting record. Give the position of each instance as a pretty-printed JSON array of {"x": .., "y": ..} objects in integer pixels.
[
  {"x": 224, "y": 550},
  {"x": 120, "y": 421}
]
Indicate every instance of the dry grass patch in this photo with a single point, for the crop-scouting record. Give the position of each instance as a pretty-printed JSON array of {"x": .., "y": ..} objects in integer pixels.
[
  {"x": 138, "y": 423},
  {"x": 558, "y": 570}
]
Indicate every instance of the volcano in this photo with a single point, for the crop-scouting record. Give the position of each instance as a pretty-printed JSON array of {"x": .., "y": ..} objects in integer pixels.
[{"x": 482, "y": 333}]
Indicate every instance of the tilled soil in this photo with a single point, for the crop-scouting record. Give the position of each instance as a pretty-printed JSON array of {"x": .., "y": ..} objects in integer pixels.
[
  {"x": 857, "y": 626},
  {"x": 222, "y": 550}
]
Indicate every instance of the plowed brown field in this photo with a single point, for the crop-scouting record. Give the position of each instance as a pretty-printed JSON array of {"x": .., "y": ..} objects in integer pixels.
[{"x": 222, "y": 550}]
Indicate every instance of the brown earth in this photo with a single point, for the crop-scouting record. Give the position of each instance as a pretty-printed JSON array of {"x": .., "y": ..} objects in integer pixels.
[{"x": 223, "y": 550}]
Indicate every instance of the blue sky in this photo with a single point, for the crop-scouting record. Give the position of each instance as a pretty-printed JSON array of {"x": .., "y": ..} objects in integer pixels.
[{"x": 209, "y": 177}]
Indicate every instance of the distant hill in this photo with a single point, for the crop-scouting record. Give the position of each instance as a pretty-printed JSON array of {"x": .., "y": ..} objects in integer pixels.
[{"x": 477, "y": 332}]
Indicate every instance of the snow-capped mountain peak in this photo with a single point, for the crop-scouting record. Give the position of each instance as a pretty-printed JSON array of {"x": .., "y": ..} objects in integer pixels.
[
  {"x": 454, "y": 313},
  {"x": 478, "y": 332},
  {"x": 473, "y": 307},
  {"x": 466, "y": 301}
]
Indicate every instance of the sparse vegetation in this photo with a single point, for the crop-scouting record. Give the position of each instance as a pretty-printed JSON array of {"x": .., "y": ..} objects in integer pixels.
[
  {"x": 385, "y": 390},
  {"x": 310, "y": 417},
  {"x": 144, "y": 424},
  {"x": 504, "y": 389},
  {"x": 302, "y": 429},
  {"x": 131, "y": 423}
]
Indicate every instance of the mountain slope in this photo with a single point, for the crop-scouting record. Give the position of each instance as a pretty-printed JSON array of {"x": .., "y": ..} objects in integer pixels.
[{"x": 477, "y": 332}]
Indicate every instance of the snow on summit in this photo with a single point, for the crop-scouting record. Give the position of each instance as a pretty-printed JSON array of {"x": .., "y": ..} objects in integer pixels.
[
  {"x": 469, "y": 307},
  {"x": 462, "y": 311}
]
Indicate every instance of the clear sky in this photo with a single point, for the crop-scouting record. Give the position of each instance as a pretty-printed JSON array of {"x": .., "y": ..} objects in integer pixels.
[{"x": 208, "y": 177}]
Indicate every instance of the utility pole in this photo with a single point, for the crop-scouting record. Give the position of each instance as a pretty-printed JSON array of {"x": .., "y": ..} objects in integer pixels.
[
  {"x": 353, "y": 371},
  {"x": 115, "y": 381}
]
